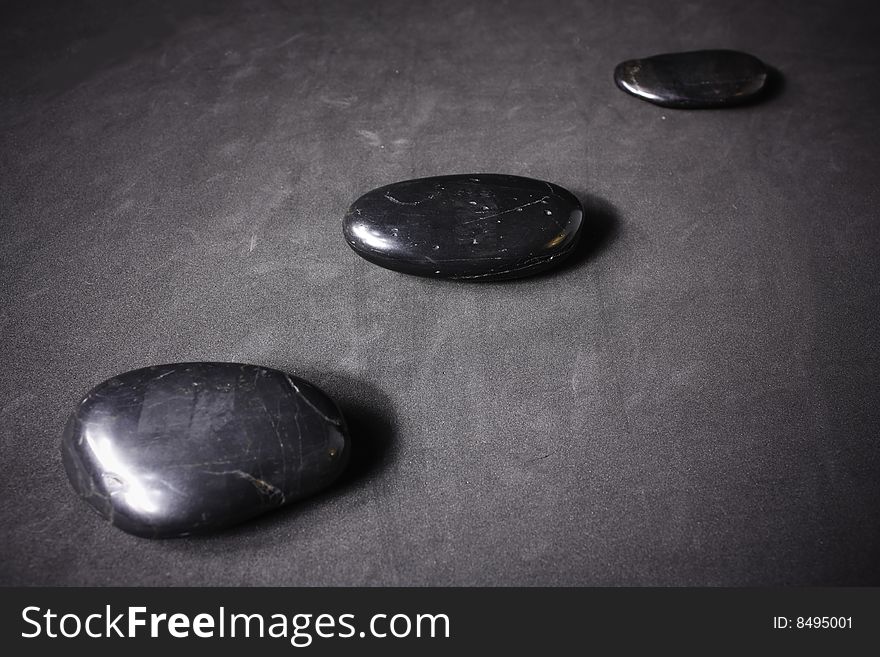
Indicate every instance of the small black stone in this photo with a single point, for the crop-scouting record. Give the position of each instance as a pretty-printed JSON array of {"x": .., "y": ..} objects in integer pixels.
[
  {"x": 693, "y": 80},
  {"x": 187, "y": 448},
  {"x": 468, "y": 226}
]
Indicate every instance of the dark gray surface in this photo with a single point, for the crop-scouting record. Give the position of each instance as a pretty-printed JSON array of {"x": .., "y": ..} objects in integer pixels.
[{"x": 694, "y": 401}]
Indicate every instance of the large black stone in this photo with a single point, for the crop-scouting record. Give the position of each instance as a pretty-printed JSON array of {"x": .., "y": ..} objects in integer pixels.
[
  {"x": 693, "y": 80},
  {"x": 471, "y": 226},
  {"x": 188, "y": 448}
]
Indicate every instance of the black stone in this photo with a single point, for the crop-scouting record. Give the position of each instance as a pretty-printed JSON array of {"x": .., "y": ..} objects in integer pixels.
[
  {"x": 187, "y": 448},
  {"x": 693, "y": 80},
  {"x": 471, "y": 226}
]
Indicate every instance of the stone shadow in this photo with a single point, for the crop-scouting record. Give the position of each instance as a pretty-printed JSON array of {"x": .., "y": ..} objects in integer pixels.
[{"x": 370, "y": 421}]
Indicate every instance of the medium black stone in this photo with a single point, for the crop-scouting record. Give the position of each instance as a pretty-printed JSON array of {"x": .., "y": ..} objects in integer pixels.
[
  {"x": 693, "y": 80},
  {"x": 188, "y": 448},
  {"x": 470, "y": 226}
]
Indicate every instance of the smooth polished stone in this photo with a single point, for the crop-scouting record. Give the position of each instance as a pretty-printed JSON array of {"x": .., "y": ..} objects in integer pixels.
[
  {"x": 470, "y": 226},
  {"x": 187, "y": 448},
  {"x": 693, "y": 80}
]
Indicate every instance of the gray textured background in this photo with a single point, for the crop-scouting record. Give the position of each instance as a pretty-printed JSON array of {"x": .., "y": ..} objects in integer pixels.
[{"x": 694, "y": 400}]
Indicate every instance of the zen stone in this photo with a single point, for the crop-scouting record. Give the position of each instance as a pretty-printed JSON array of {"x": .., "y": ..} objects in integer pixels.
[
  {"x": 693, "y": 80},
  {"x": 187, "y": 448},
  {"x": 473, "y": 226}
]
